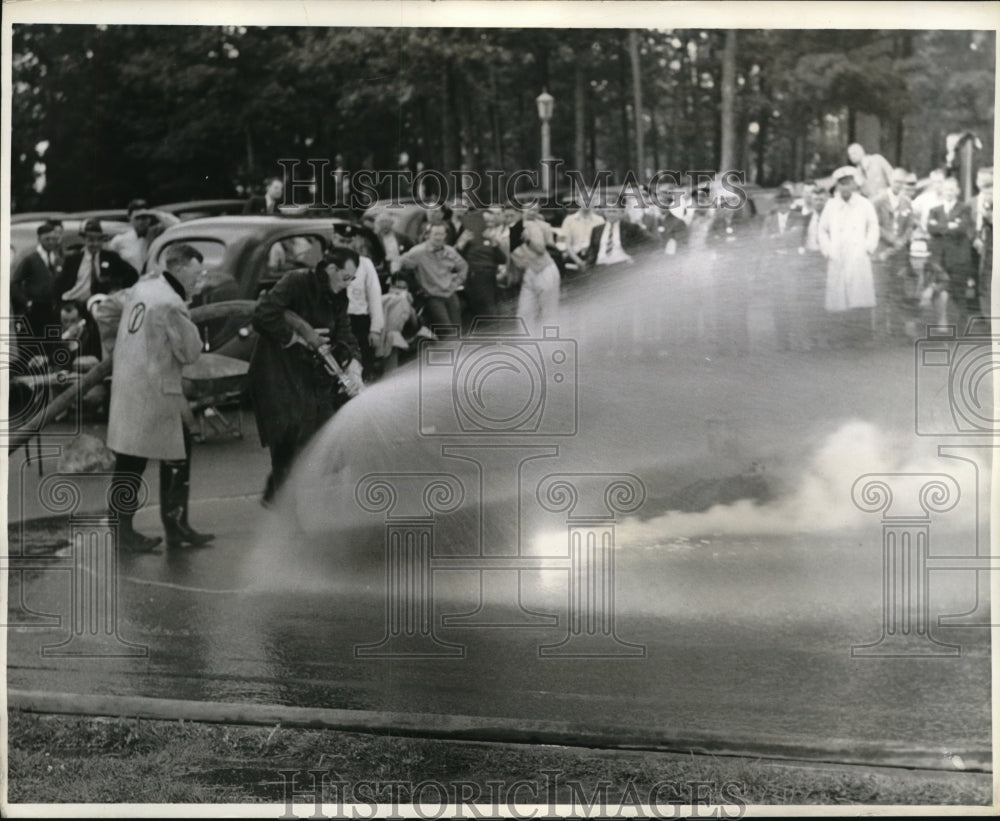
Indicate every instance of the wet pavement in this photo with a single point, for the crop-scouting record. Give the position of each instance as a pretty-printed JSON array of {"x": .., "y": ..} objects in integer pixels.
[
  {"x": 749, "y": 620},
  {"x": 746, "y": 637}
]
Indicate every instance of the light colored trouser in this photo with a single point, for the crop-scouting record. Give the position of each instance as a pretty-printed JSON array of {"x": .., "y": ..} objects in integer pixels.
[{"x": 538, "y": 303}]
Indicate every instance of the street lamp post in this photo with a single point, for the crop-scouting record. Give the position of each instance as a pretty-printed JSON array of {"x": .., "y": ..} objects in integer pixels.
[{"x": 545, "y": 103}]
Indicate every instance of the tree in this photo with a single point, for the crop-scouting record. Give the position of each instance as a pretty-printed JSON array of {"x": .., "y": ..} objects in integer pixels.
[{"x": 728, "y": 154}]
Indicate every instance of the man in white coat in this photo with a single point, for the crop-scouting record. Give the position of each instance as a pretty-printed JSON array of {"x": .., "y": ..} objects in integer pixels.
[
  {"x": 154, "y": 338},
  {"x": 848, "y": 237}
]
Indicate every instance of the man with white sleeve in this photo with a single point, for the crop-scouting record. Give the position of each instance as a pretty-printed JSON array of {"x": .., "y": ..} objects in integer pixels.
[
  {"x": 848, "y": 238},
  {"x": 364, "y": 298},
  {"x": 153, "y": 339}
]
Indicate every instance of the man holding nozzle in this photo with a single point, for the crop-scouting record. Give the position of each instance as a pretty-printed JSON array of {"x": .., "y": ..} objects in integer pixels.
[{"x": 305, "y": 333}]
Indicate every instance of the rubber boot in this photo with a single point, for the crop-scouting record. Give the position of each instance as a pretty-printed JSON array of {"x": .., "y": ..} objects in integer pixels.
[
  {"x": 132, "y": 541},
  {"x": 174, "y": 491},
  {"x": 123, "y": 498}
]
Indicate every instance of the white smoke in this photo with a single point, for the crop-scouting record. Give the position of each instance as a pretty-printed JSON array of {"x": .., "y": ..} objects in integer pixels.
[{"x": 818, "y": 500}]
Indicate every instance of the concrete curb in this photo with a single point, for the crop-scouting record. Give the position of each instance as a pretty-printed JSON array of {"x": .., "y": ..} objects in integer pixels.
[{"x": 519, "y": 731}]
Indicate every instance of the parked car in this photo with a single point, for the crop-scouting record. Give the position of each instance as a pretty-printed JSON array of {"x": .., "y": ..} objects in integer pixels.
[
  {"x": 105, "y": 215},
  {"x": 319, "y": 212},
  {"x": 243, "y": 257},
  {"x": 198, "y": 209},
  {"x": 37, "y": 216}
]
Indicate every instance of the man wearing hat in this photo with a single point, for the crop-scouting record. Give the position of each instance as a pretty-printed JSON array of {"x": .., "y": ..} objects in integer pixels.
[
  {"x": 150, "y": 333},
  {"x": 783, "y": 239},
  {"x": 848, "y": 238},
  {"x": 133, "y": 245},
  {"x": 94, "y": 270}
]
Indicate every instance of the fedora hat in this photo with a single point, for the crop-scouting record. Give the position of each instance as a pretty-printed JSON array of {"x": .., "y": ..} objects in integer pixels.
[{"x": 92, "y": 227}]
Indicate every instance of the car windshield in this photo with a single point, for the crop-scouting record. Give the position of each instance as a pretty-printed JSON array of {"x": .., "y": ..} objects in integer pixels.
[{"x": 291, "y": 253}]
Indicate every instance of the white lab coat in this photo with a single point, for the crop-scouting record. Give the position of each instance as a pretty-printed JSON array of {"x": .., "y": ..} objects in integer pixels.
[
  {"x": 155, "y": 338},
  {"x": 848, "y": 236}
]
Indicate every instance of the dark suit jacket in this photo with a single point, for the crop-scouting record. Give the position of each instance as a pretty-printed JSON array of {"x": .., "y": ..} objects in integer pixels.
[
  {"x": 634, "y": 239},
  {"x": 673, "y": 229},
  {"x": 114, "y": 273},
  {"x": 33, "y": 292},
  {"x": 951, "y": 244},
  {"x": 258, "y": 206},
  {"x": 793, "y": 237},
  {"x": 893, "y": 226},
  {"x": 516, "y": 230}
]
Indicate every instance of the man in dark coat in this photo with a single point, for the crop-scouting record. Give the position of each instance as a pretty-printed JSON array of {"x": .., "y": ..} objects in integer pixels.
[
  {"x": 33, "y": 284},
  {"x": 485, "y": 256},
  {"x": 952, "y": 228},
  {"x": 783, "y": 240},
  {"x": 984, "y": 239},
  {"x": 293, "y": 396},
  {"x": 267, "y": 204},
  {"x": 93, "y": 270},
  {"x": 617, "y": 240}
]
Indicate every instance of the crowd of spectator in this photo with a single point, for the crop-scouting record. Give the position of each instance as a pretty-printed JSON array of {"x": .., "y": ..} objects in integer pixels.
[{"x": 858, "y": 260}]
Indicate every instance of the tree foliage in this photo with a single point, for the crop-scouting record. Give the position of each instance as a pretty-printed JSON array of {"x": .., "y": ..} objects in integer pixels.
[{"x": 176, "y": 112}]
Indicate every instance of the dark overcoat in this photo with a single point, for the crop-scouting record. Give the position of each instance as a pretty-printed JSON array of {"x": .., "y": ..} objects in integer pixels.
[
  {"x": 289, "y": 388},
  {"x": 951, "y": 239}
]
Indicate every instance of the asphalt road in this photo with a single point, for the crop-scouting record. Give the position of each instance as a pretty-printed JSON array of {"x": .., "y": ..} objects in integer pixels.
[{"x": 736, "y": 620}]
